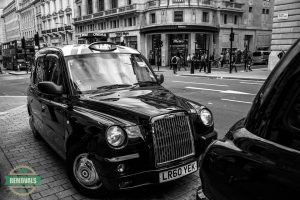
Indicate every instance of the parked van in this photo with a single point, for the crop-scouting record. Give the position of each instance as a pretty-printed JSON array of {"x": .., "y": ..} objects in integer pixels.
[{"x": 261, "y": 57}]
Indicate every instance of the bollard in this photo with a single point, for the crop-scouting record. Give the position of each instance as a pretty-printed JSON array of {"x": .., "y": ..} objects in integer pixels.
[
  {"x": 209, "y": 67},
  {"x": 192, "y": 69}
]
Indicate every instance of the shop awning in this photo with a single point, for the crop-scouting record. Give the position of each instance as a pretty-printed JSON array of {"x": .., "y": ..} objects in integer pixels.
[{"x": 179, "y": 28}]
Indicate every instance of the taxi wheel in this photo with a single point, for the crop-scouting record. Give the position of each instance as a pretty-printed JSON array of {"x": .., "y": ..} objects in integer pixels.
[
  {"x": 35, "y": 133},
  {"x": 83, "y": 173}
]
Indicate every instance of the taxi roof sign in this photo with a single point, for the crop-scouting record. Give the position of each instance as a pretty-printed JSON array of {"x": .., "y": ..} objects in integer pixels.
[{"x": 103, "y": 46}]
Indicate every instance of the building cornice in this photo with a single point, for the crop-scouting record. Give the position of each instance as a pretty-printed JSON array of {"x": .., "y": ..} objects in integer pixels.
[{"x": 29, "y": 5}]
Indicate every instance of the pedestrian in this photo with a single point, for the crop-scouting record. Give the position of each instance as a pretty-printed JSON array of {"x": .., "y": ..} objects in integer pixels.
[
  {"x": 233, "y": 62},
  {"x": 227, "y": 57},
  {"x": 175, "y": 61},
  {"x": 281, "y": 54},
  {"x": 249, "y": 61},
  {"x": 222, "y": 59},
  {"x": 181, "y": 63},
  {"x": 203, "y": 62},
  {"x": 1, "y": 66},
  {"x": 189, "y": 61}
]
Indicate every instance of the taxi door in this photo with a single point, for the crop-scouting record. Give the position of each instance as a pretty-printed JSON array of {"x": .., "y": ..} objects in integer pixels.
[{"x": 53, "y": 107}]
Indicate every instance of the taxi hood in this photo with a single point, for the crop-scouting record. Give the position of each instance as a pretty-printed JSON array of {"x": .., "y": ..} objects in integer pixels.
[{"x": 137, "y": 105}]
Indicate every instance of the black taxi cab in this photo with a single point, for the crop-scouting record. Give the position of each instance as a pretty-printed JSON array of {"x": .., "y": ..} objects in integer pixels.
[
  {"x": 259, "y": 158},
  {"x": 103, "y": 109}
]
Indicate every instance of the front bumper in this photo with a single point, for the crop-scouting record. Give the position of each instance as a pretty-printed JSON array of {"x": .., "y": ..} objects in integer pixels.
[{"x": 149, "y": 177}]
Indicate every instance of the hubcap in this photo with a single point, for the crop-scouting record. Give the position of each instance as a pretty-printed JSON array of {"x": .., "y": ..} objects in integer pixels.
[{"x": 85, "y": 172}]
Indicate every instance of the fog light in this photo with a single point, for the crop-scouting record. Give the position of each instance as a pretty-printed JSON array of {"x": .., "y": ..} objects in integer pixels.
[{"x": 121, "y": 168}]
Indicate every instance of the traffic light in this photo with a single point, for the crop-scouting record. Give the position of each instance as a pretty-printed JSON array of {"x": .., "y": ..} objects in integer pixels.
[
  {"x": 23, "y": 43},
  {"x": 231, "y": 36},
  {"x": 37, "y": 39}
]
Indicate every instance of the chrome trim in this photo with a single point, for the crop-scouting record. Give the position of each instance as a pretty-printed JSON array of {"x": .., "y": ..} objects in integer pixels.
[
  {"x": 123, "y": 158},
  {"x": 171, "y": 144},
  {"x": 55, "y": 103}
]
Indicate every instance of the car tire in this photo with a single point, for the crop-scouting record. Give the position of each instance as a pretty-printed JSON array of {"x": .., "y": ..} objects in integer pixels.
[
  {"x": 80, "y": 169},
  {"x": 35, "y": 133}
]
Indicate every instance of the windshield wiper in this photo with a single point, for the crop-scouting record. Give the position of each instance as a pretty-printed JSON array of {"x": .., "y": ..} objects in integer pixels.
[
  {"x": 108, "y": 87},
  {"x": 146, "y": 83}
]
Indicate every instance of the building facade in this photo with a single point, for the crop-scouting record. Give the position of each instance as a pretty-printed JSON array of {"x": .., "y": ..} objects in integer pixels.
[
  {"x": 2, "y": 28},
  {"x": 11, "y": 22},
  {"x": 286, "y": 28},
  {"x": 56, "y": 18}
]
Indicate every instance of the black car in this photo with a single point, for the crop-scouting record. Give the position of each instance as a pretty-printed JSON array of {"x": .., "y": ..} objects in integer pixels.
[
  {"x": 102, "y": 108},
  {"x": 259, "y": 158}
]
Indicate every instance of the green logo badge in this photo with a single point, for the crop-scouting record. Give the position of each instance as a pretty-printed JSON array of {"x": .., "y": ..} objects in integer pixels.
[{"x": 22, "y": 180}]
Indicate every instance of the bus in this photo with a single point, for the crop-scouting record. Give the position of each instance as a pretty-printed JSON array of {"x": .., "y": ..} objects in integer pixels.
[{"x": 14, "y": 56}]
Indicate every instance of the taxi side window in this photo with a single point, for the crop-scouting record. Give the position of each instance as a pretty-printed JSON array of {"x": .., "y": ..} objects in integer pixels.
[
  {"x": 285, "y": 129},
  {"x": 39, "y": 71},
  {"x": 52, "y": 71}
]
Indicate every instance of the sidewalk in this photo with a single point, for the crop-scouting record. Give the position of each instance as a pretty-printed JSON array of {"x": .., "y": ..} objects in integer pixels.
[
  {"x": 257, "y": 73},
  {"x": 11, "y": 72}
]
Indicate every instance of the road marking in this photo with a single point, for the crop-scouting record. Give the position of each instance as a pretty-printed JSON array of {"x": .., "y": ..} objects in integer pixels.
[
  {"x": 10, "y": 110},
  {"x": 201, "y": 83},
  {"x": 221, "y": 91},
  {"x": 236, "y": 101},
  {"x": 252, "y": 83},
  {"x": 13, "y": 96}
]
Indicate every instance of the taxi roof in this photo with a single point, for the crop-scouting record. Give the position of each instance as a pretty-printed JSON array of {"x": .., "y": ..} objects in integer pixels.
[{"x": 78, "y": 49}]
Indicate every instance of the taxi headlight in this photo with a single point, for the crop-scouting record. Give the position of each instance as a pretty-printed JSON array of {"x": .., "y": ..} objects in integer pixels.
[
  {"x": 206, "y": 117},
  {"x": 115, "y": 136}
]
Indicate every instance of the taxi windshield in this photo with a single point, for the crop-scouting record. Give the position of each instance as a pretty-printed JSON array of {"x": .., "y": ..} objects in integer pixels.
[{"x": 97, "y": 72}]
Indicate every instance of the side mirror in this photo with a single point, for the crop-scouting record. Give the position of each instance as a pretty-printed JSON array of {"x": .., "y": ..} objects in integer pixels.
[
  {"x": 160, "y": 78},
  {"x": 48, "y": 87}
]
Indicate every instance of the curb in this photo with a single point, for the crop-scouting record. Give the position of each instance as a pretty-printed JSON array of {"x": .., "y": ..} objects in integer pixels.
[
  {"x": 225, "y": 77},
  {"x": 18, "y": 73}
]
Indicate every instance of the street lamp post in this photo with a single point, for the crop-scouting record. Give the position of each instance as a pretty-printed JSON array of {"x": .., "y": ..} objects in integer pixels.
[{"x": 65, "y": 31}]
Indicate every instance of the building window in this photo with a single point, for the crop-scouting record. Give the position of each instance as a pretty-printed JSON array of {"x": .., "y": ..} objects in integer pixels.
[
  {"x": 125, "y": 22},
  {"x": 250, "y": 9},
  {"x": 90, "y": 6},
  {"x": 54, "y": 6},
  {"x": 205, "y": 17},
  {"x": 178, "y": 16},
  {"x": 114, "y": 3},
  {"x": 235, "y": 19},
  {"x": 152, "y": 18},
  {"x": 133, "y": 21},
  {"x": 225, "y": 19},
  {"x": 129, "y": 21},
  {"x": 129, "y": 2},
  {"x": 79, "y": 11},
  {"x": 61, "y": 4},
  {"x": 68, "y": 19},
  {"x": 100, "y": 5},
  {"x": 267, "y": 11},
  {"x": 263, "y": 11},
  {"x": 178, "y": 1}
]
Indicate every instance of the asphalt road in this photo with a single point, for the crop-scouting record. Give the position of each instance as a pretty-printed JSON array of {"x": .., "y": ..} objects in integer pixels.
[{"x": 229, "y": 100}]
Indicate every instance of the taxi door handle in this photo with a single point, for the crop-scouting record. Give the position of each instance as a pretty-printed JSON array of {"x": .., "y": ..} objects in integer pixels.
[{"x": 43, "y": 108}]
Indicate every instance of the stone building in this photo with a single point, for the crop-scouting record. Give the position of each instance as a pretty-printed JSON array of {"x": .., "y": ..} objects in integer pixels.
[
  {"x": 56, "y": 16},
  {"x": 29, "y": 15},
  {"x": 286, "y": 28},
  {"x": 183, "y": 26},
  {"x": 2, "y": 28},
  {"x": 11, "y": 22}
]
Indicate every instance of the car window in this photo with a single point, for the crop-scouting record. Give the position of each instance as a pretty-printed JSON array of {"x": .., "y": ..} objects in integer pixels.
[
  {"x": 90, "y": 72},
  {"x": 285, "y": 127},
  {"x": 52, "y": 71},
  {"x": 266, "y": 53},
  {"x": 256, "y": 54},
  {"x": 39, "y": 76}
]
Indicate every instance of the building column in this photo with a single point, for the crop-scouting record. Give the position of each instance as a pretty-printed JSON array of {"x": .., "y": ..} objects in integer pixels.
[
  {"x": 211, "y": 44},
  {"x": 217, "y": 47},
  {"x": 84, "y": 8},
  {"x": 192, "y": 43},
  {"x": 164, "y": 50},
  {"x": 142, "y": 44}
]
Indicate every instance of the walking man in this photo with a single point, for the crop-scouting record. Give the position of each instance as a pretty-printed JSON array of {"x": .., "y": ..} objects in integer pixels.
[
  {"x": 189, "y": 61},
  {"x": 181, "y": 63},
  {"x": 203, "y": 62},
  {"x": 175, "y": 61}
]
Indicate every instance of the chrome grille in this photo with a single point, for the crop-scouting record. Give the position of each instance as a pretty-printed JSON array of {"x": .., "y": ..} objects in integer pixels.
[{"x": 172, "y": 138}]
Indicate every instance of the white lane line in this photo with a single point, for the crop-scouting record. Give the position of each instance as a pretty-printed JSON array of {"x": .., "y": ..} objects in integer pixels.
[
  {"x": 200, "y": 83},
  {"x": 13, "y": 96},
  {"x": 13, "y": 109},
  {"x": 249, "y": 83},
  {"x": 236, "y": 101},
  {"x": 221, "y": 91}
]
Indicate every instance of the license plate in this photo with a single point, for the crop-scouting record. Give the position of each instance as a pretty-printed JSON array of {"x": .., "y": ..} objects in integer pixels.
[{"x": 176, "y": 173}]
